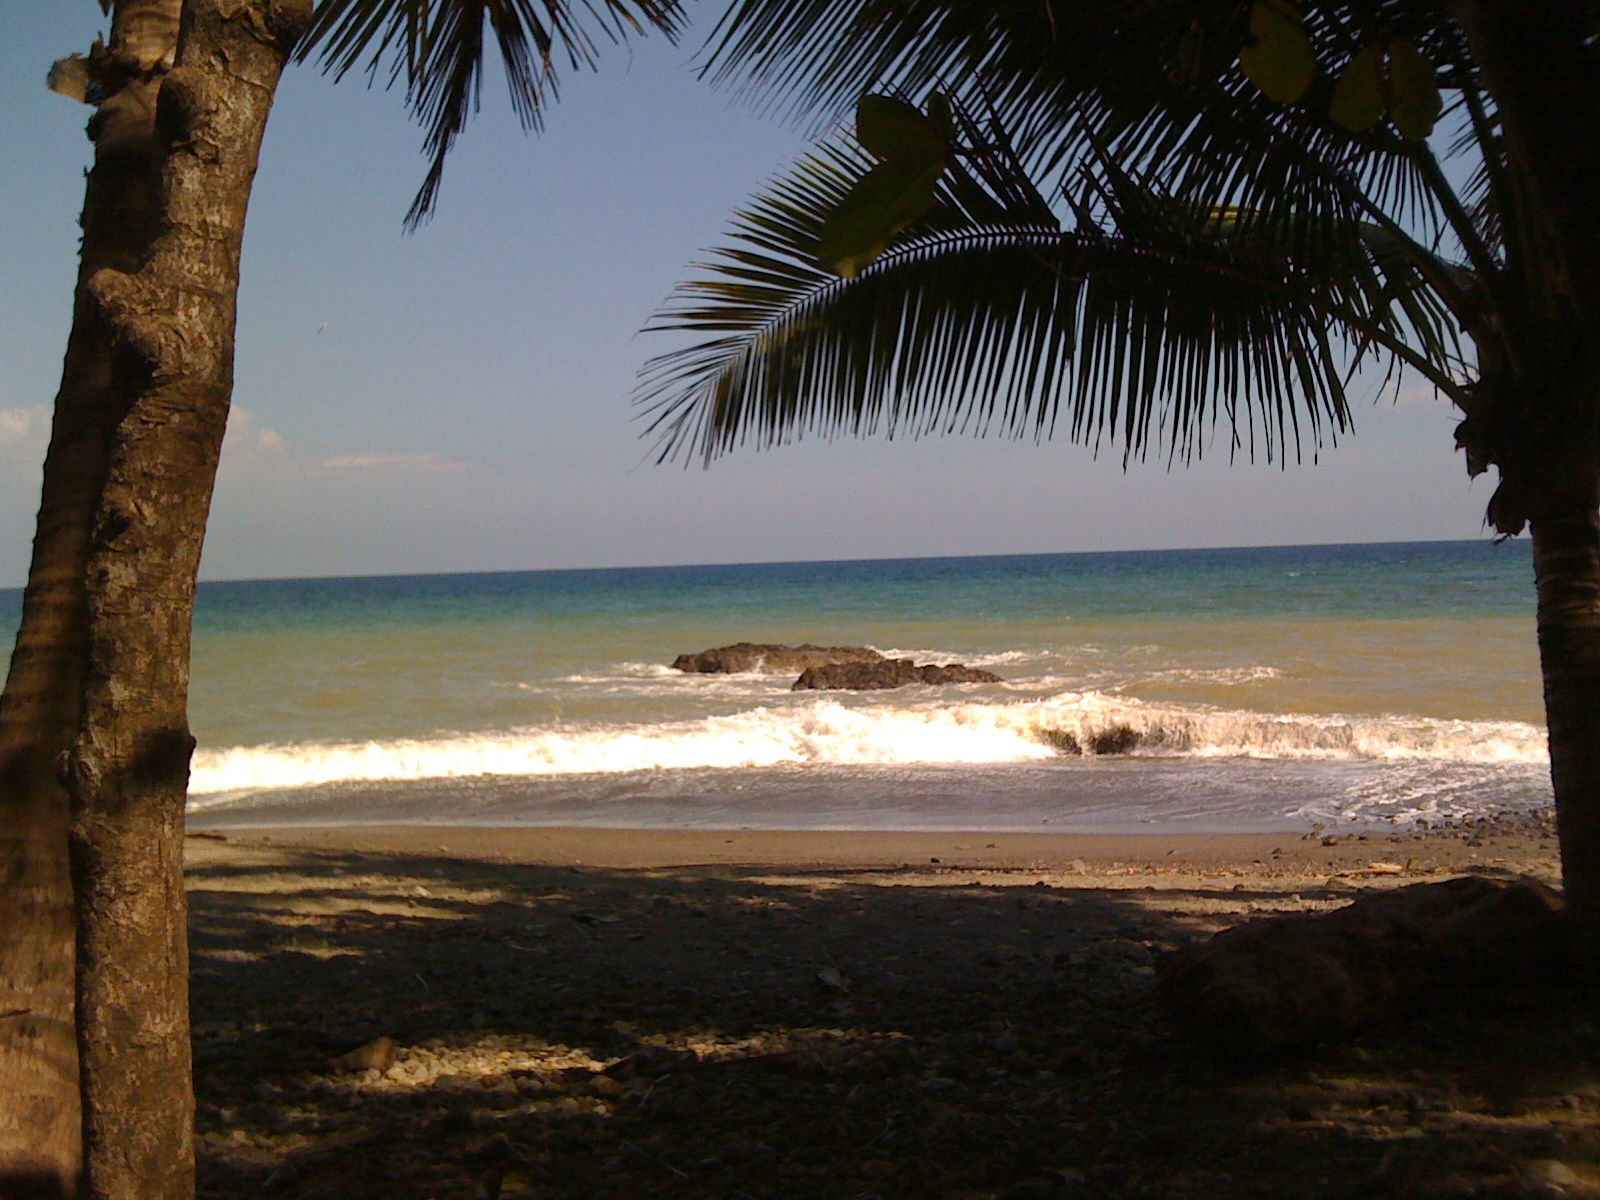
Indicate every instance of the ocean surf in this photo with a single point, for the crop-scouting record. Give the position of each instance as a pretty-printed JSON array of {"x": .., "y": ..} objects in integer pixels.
[{"x": 1224, "y": 689}]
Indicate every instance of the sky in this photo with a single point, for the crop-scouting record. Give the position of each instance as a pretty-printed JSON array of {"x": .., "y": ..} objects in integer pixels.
[{"x": 458, "y": 399}]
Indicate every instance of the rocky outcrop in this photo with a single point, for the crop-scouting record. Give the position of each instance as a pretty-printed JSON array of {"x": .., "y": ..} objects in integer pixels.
[
  {"x": 773, "y": 659},
  {"x": 887, "y": 673},
  {"x": 377, "y": 1055},
  {"x": 1272, "y": 984}
]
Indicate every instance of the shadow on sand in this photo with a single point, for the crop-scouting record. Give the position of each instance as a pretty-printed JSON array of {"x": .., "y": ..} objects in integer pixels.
[{"x": 774, "y": 1032}]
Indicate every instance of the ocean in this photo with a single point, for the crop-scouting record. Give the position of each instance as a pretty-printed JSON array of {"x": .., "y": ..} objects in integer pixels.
[{"x": 1265, "y": 689}]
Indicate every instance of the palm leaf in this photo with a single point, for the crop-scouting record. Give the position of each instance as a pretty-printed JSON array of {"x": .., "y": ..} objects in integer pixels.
[
  {"x": 1155, "y": 329},
  {"x": 1088, "y": 82},
  {"x": 1381, "y": 284},
  {"x": 438, "y": 48}
]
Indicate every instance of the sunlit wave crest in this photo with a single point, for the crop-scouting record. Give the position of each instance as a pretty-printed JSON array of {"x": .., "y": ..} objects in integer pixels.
[{"x": 826, "y": 731}]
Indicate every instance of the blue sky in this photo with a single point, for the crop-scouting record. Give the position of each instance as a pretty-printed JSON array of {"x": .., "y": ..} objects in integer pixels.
[{"x": 466, "y": 405}]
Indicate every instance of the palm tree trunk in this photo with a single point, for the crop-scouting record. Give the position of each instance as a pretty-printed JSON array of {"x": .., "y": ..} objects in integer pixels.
[
  {"x": 1567, "y": 568},
  {"x": 172, "y": 321},
  {"x": 39, "y": 1127},
  {"x": 38, "y": 1061},
  {"x": 1539, "y": 63},
  {"x": 40, "y": 1122}
]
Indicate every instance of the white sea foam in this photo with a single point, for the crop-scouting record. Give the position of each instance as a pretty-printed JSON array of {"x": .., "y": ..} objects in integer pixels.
[
  {"x": 1407, "y": 792},
  {"x": 627, "y": 670},
  {"x": 1217, "y": 733},
  {"x": 1219, "y": 675},
  {"x": 828, "y": 731}
]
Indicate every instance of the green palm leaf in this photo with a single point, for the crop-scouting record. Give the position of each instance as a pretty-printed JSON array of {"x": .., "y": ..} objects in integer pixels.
[
  {"x": 1155, "y": 328},
  {"x": 1340, "y": 246},
  {"x": 438, "y": 48},
  {"x": 1155, "y": 87}
]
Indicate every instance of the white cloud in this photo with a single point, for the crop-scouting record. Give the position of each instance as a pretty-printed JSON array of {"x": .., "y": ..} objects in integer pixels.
[
  {"x": 246, "y": 439},
  {"x": 254, "y": 449},
  {"x": 24, "y": 437},
  {"x": 425, "y": 463},
  {"x": 24, "y": 427}
]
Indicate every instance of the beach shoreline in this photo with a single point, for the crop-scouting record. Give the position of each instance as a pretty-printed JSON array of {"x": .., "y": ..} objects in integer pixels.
[{"x": 1519, "y": 843}]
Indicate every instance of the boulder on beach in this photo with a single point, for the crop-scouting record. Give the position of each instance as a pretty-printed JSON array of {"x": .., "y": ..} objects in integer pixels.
[
  {"x": 773, "y": 659},
  {"x": 1271, "y": 984},
  {"x": 376, "y": 1055},
  {"x": 887, "y": 673}
]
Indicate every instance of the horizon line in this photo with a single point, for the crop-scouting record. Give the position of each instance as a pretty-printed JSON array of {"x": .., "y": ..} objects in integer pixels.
[{"x": 790, "y": 562}]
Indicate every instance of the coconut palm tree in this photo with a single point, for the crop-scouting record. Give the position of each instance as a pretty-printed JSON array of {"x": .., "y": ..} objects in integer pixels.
[
  {"x": 94, "y": 737},
  {"x": 1152, "y": 226}
]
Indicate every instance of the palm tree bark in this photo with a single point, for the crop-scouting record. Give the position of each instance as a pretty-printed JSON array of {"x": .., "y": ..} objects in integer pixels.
[
  {"x": 40, "y": 1135},
  {"x": 1567, "y": 569},
  {"x": 171, "y": 319},
  {"x": 1542, "y": 67}
]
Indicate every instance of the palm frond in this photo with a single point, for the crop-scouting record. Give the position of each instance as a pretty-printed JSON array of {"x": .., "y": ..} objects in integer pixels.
[
  {"x": 438, "y": 48},
  {"x": 1385, "y": 288},
  {"x": 1231, "y": 264},
  {"x": 1157, "y": 329},
  {"x": 1087, "y": 81}
]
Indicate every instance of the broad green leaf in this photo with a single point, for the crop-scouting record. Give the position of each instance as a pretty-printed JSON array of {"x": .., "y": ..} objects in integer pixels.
[
  {"x": 1414, "y": 100},
  {"x": 882, "y": 203},
  {"x": 891, "y": 128},
  {"x": 1281, "y": 63},
  {"x": 1358, "y": 96}
]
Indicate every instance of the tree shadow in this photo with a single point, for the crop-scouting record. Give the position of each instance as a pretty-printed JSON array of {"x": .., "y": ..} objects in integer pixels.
[{"x": 783, "y": 1032}]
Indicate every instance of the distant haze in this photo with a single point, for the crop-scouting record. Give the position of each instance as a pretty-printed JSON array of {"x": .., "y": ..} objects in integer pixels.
[{"x": 457, "y": 400}]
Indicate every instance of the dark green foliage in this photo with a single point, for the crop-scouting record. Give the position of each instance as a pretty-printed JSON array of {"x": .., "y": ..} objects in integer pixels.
[
  {"x": 1412, "y": 95},
  {"x": 913, "y": 150},
  {"x": 1357, "y": 101},
  {"x": 1149, "y": 319},
  {"x": 1280, "y": 61},
  {"x": 1132, "y": 243}
]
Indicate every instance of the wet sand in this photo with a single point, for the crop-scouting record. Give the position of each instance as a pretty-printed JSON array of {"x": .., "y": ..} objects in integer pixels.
[{"x": 1276, "y": 856}]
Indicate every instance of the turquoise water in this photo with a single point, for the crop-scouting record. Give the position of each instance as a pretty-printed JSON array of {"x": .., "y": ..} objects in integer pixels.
[{"x": 1270, "y": 687}]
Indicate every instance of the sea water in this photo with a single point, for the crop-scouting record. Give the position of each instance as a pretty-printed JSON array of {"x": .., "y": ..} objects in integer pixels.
[{"x": 1266, "y": 689}]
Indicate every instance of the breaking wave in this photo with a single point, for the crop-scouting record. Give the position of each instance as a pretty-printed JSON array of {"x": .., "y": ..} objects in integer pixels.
[{"x": 825, "y": 731}]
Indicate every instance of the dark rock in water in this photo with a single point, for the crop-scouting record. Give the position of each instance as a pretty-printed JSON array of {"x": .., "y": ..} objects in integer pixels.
[
  {"x": 1119, "y": 739},
  {"x": 777, "y": 660},
  {"x": 887, "y": 673},
  {"x": 956, "y": 673},
  {"x": 1271, "y": 984}
]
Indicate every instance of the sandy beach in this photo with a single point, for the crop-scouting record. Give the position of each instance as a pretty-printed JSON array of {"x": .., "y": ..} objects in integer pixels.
[
  {"x": 1092, "y": 860},
  {"x": 573, "y": 1013}
]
